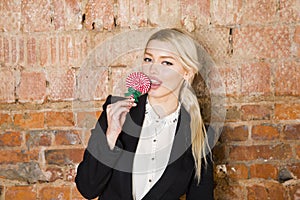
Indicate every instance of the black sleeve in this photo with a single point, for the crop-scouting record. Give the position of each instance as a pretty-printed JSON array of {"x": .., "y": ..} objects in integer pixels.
[
  {"x": 95, "y": 170},
  {"x": 205, "y": 189}
]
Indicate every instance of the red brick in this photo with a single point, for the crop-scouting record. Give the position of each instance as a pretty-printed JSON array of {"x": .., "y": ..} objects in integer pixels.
[
  {"x": 257, "y": 192},
  {"x": 5, "y": 120},
  {"x": 297, "y": 35},
  {"x": 17, "y": 156},
  {"x": 14, "y": 53},
  {"x": 59, "y": 119},
  {"x": 55, "y": 192},
  {"x": 298, "y": 153},
  {"x": 29, "y": 120},
  {"x": 291, "y": 132},
  {"x": 256, "y": 79},
  {"x": 92, "y": 84},
  {"x": 44, "y": 48},
  {"x": 62, "y": 49},
  {"x": 164, "y": 13},
  {"x": 252, "y": 42},
  {"x": 196, "y": 10},
  {"x": 294, "y": 191},
  {"x": 256, "y": 112},
  {"x": 12, "y": 6},
  {"x": 99, "y": 15},
  {"x": 26, "y": 92},
  {"x": 10, "y": 139},
  {"x": 287, "y": 111},
  {"x": 21, "y": 192},
  {"x": 54, "y": 173},
  {"x": 6, "y": 50},
  {"x": 239, "y": 133},
  {"x": 296, "y": 49},
  {"x": 7, "y": 86},
  {"x": 59, "y": 17},
  {"x": 31, "y": 51},
  {"x": 67, "y": 138},
  {"x": 295, "y": 167},
  {"x": 36, "y": 16},
  {"x": 266, "y": 171},
  {"x": 71, "y": 174},
  {"x": 227, "y": 191},
  {"x": 54, "y": 50},
  {"x": 86, "y": 134},
  {"x": 289, "y": 10},
  {"x": 1, "y": 49},
  {"x": 258, "y": 152},
  {"x": 287, "y": 78},
  {"x": 76, "y": 194},
  {"x": 131, "y": 13},
  {"x": 265, "y": 132},
  {"x": 63, "y": 156},
  {"x": 10, "y": 16},
  {"x": 215, "y": 84},
  {"x": 38, "y": 138},
  {"x": 70, "y": 49},
  {"x": 226, "y": 12},
  {"x": 266, "y": 191},
  {"x": 219, "y": 152},
  {"x": 276, "y": 190},
  {"x": 87, "y": 119},
  {"x": 61, "y": 84},
  {"x": 232, "y": 80},
  {"x": 78, "y": 44},
  {"x": 258, "y": 11},
  {"x": 21, "y": 44},
  {"x": 233, "y": 113},
  {"x": 237, "y": 171},
  {"x": 73, "y": 15}
]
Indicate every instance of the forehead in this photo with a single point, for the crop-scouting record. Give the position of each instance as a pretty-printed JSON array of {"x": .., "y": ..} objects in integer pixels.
[{"x": 160, "y": 47}]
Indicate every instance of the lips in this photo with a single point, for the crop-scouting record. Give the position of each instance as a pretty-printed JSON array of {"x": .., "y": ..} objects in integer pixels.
[{"x": 155, "y": 83}]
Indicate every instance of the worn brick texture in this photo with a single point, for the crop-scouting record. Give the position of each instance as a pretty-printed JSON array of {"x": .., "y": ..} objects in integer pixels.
[{"x": 60, "y": 59}]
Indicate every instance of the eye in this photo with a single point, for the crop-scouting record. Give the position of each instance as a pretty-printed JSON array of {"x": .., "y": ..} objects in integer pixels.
[
  {"x": 147, "y": 59},
  {"x": 167, "y": 63}
]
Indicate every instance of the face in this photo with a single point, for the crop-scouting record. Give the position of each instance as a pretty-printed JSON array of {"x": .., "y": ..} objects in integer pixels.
[{"x": 164, "y": 69}]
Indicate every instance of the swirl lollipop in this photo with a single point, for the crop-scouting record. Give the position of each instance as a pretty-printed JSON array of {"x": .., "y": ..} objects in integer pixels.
[{"x": 137, "y": 83}]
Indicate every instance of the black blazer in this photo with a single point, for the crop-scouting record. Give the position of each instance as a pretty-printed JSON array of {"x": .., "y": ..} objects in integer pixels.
[{"x": 107, "y": 173}]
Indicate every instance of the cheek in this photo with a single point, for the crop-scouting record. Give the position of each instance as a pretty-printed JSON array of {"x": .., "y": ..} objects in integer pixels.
[{"x": 171, "y": 74}]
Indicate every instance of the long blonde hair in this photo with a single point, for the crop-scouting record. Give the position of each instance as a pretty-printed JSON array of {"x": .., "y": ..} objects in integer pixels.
[{"x": 188, "y": 56}]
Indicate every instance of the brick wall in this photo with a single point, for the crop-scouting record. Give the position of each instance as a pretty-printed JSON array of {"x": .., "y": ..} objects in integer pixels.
[{"x": 45, "y": 118}]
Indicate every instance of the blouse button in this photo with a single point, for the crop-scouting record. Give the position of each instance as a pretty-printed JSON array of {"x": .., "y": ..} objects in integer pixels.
[
  {"x": 154, "y": 140},
  {"x": 150, "y": 180}
]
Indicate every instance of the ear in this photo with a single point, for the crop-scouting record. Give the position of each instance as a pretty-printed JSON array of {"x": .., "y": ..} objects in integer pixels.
[{"x": 188, "y": 76}]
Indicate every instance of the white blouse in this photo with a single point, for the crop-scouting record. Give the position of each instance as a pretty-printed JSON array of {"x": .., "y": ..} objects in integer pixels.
[{"x": 153, "y": 150}]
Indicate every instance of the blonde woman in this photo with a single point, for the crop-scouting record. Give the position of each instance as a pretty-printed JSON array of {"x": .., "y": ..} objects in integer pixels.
[{"x": 156, "y": 148}]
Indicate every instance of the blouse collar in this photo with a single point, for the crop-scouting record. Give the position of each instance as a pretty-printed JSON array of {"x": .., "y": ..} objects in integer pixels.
[{"x": 169, "y": 119}]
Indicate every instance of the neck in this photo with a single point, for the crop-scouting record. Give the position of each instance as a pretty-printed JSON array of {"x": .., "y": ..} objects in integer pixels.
[{"x": 164, "y": 106}]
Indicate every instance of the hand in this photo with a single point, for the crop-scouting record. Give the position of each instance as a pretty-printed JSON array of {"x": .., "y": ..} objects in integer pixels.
[{"x": 116, "y": 115}]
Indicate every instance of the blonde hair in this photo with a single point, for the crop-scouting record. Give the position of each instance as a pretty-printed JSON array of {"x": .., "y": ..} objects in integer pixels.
[{"x": 188, "y": 56}]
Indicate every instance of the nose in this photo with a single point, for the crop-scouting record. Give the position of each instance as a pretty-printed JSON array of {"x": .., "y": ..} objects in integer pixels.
[{"x": 153, "y": 68}]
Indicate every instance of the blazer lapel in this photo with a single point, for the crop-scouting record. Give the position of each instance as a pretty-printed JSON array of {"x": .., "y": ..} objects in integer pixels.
[{"x": 133, "y": 125}]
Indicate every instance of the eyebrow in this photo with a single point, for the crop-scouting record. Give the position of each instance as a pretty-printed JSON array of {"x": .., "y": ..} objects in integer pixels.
[{"x": 160, "y": 56}]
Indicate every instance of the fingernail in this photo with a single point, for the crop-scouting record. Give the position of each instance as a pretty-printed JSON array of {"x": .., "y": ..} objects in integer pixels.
[{"x": 134, "y": 104}]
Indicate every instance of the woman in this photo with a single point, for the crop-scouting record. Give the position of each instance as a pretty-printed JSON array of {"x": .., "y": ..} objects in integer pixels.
[{"x": 156, "y": 148}]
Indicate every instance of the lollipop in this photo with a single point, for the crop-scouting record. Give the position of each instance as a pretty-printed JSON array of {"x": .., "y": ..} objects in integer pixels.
[{"x": 137, "y": 83}]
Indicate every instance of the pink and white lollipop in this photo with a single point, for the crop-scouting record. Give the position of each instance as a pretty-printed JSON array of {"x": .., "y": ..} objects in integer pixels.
[{"x": 137, "y": 83}]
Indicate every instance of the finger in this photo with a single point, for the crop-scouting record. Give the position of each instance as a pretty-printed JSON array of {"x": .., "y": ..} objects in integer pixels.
[
  {"x": 116, "y": 114},
  {"x": 125, "y": 103}
]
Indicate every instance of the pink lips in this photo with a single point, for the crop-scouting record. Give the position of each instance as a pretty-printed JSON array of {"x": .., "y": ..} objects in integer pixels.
[{"x": 155, "y": 83}]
